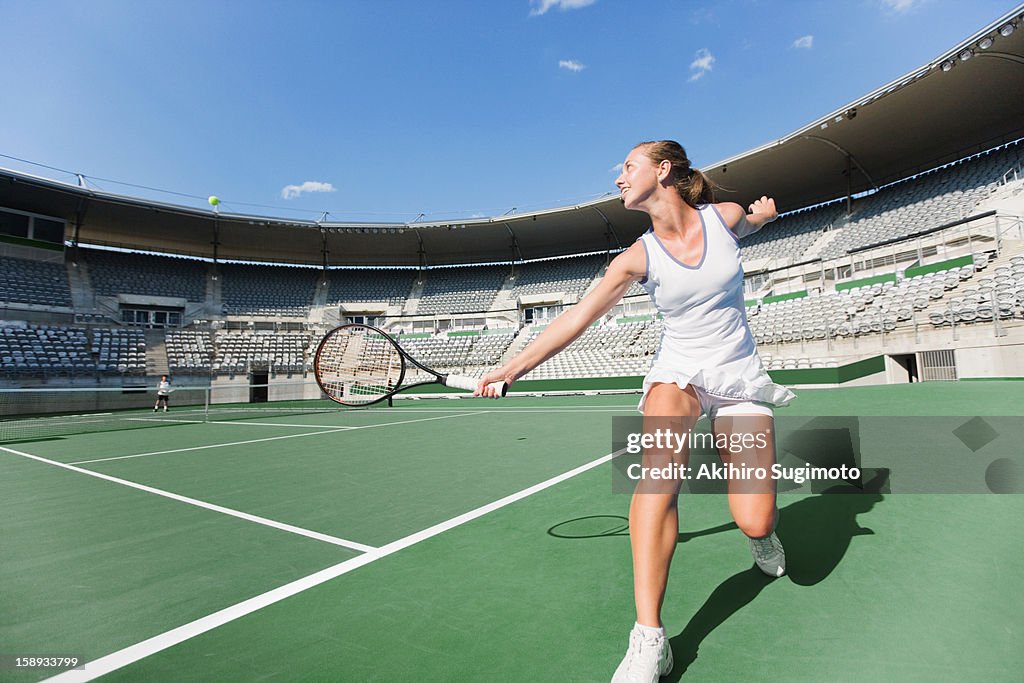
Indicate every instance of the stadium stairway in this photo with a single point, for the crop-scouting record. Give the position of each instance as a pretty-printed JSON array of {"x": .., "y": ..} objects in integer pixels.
[
  {"x": 505, "y": 300},
  {"x": 1011, "y": 247},
  {"x": 412, "y": 302},
  {"x": 316, "y": 309},
  {"x": 156, "y": 354},
  {"x": 214, "y": 286},
  {"x": 1006, "y": 198},
  {"x": 820, "y": 244},
  {"x": 82, "y": 298},
  {"x": 596, "y": 281},
  {"x": 519, "y": 343}
]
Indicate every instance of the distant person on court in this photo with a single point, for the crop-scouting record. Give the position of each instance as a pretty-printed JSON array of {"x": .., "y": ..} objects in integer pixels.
[
  {"x": 707, "y": 363},
  {"x": 163, "y": 391}
]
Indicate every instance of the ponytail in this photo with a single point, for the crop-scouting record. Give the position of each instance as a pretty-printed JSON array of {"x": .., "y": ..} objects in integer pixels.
[
  {"x": 699, "y": 189},
  {"x": 694, "y": 187}
]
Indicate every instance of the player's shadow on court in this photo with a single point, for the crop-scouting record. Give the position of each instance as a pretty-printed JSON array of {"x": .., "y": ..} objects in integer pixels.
[{"x": 816, "y": 533}]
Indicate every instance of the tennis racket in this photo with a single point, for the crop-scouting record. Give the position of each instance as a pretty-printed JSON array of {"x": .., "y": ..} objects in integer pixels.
[{"x": 358, "y": 365}]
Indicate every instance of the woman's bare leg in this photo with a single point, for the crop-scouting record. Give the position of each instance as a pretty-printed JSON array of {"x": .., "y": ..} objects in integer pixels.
[
  {"x": 654, "y": 512},
  {"x": 751, "y": 502}
]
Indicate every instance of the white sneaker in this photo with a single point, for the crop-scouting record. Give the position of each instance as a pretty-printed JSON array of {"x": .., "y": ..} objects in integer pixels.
[
  {"x": 649, "y": 657},
  {"x": 769, "y": 555}
]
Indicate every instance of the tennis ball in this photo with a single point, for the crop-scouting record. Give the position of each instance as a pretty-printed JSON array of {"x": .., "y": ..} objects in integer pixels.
[{"x": 214, "y": 200}]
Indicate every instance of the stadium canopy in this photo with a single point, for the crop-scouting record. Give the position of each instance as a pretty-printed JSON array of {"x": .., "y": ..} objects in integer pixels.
[{"x": 968, "y": 100}]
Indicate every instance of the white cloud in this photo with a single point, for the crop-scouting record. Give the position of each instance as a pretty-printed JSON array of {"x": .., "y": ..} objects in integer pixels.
[
  {"x": 617, "y": 168},
  {"x": 293, "y": 191},
  {"x": 571, "y": 65},
  {"x": 702, "y": 64},
  {"x": 542, "y": 6},
  {"x": 901, "y": 6},
  {"x": 806, "y": 42}
]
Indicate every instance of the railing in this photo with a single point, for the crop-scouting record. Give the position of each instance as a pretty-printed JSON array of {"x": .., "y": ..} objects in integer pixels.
[
  {"x": 1012, "y": 174},
  {"x": 976, "y": 302},
  {"x": 983, "y": 232}
]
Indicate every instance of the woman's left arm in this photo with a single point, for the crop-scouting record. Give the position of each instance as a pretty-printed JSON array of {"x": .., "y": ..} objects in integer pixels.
[{"x": 762, "y": 212}]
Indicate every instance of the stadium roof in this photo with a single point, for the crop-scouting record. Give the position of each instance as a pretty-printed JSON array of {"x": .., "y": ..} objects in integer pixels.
[
  {"x": 946, "y": 110},
  {"x": 967, "y": 100}
]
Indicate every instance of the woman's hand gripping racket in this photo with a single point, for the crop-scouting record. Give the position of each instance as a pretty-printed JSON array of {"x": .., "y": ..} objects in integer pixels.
[{"x": 358, "y": 365}]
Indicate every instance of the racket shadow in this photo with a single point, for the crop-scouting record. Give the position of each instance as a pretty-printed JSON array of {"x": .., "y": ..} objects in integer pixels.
[{"x": 598, "y": 526}]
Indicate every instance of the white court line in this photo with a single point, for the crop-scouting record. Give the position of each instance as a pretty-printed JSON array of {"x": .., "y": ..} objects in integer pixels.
[
  {"x": 524, "y": 410},
  {"x": 272, "y": 424},
  {"x": 201, "y": 504},
  {"x": 213, "y": 445},
  {"x": 51, "y": 421},
  {"x": 269, "y": 438},
  {"x": 134, "y": 653},
  {"x": 604, "y": 409},
  {"x": 243, "y": 422}
]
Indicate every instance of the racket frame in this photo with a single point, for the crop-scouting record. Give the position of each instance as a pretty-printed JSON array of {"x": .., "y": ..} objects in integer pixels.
[{"x": 403, "y": 354}]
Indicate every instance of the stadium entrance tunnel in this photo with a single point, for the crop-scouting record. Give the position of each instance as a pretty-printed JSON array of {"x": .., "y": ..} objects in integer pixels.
[
  {"x": 259, "y": 389},
  {"x": 905, "y": 368}
]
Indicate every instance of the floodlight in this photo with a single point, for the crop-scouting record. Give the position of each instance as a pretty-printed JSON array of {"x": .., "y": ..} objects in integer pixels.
[
  {"x": 1006, "y": 29},
  {"x": 965, "y": 55}
]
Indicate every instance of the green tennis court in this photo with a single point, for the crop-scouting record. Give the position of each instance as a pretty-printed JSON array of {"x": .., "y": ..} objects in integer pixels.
[{"x": 481, "y": 540}]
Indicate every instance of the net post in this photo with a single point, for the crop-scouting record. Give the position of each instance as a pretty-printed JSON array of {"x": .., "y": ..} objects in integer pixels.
[{"x": 206, "y": 403}]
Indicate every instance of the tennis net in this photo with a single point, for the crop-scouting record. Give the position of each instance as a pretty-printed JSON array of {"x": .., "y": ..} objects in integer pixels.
[{"x": 39, "y": 413}]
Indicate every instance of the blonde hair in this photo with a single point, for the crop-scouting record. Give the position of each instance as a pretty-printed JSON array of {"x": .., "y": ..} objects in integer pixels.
[{"x": 693, "y": 186}]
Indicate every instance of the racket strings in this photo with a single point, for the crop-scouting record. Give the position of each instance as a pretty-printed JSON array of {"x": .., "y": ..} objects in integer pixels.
[{"x": 358, "y": 365}]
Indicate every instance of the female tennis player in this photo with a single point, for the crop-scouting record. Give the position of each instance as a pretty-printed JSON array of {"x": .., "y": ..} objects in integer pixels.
[{"x": 707, "y": 363}]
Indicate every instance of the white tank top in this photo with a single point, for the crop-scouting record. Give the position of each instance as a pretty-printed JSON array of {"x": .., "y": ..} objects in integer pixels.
[{"x": 705, "y": 339}]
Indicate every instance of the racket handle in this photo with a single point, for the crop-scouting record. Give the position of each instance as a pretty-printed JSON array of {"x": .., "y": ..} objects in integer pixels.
[{"x": 469, "y": 384}]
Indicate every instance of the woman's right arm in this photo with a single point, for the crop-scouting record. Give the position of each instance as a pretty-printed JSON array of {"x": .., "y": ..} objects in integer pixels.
[{"x": 628, "y": 267}]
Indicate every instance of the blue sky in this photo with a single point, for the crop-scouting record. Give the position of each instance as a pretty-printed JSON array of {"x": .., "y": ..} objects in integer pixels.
[{"x": 385, "y": 110}]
